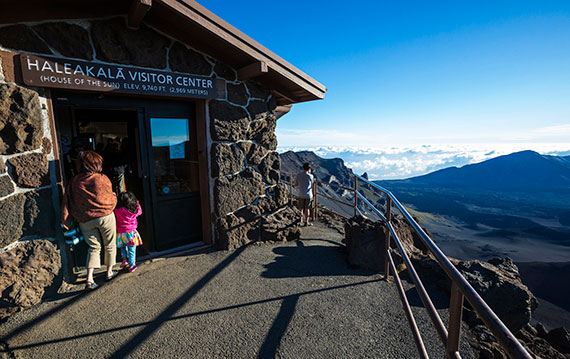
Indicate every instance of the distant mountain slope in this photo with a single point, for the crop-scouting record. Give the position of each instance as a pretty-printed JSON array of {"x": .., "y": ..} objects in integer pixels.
[
  {"x": 327, "y": 170},
  {"x": 526, "y": 170}
]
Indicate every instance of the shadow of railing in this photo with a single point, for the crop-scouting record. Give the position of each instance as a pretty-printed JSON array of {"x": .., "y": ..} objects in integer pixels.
[
  {"x": 163, "y": 317},
  {"x": 268, "y": 348},
  {"x": 70, "y": 299}
]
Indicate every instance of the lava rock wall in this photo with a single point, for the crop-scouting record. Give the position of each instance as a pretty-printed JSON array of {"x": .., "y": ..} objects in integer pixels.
[
  {"x": 26, "y": 203},
  {"x": 249, "y": 202}
]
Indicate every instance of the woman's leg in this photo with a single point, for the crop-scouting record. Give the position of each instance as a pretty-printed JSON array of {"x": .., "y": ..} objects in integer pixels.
[
  {"x": 108, "y": 229},
  {"x": 93, "y": 239},
  {"x": 90, "y": 275}
]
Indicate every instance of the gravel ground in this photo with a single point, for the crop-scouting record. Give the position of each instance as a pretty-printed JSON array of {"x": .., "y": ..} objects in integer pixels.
[{"x": 285, "y": 300}]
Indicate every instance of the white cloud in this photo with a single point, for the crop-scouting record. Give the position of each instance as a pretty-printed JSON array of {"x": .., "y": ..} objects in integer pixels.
[
  {"x": 558, "y": 130},
  {"x": 390, "y": 162}
]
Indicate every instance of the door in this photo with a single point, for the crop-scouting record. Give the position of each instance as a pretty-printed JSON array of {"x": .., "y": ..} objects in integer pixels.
[
  {"x": 174, "y": 174},
  {"x": 166, "y": 178}
]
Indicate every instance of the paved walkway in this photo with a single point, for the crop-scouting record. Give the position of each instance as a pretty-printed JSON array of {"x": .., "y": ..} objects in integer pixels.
[{"x": 291, "y": 300}]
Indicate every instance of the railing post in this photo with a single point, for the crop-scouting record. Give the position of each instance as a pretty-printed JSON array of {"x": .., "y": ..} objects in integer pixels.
[
  {"x": 455, "y": 317},
  {"x": 315, "y": 201},
  {"x": 290, "y": 189},
  {"x": 387, "y": 235},
  {"x": 355, "y": 196}
]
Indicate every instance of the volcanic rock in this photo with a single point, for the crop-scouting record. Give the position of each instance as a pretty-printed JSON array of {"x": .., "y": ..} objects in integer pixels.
[
  {"x": 70, "y": 40},
  {"x": 559, "y": 338},
  {"x": 254, "y": 153},
  {"x": 22, "y": 38},
  {"x": 235, "y": 191},
  {"x": 11, "y": 219},
  {"x": 46, "y": 145},
  {"x": 6, "y": 186},
  {"x": 263, "y": 132},
  {"x": 114, "y": 42},
  {"x": 269, "y": 168},
  {"x": 224, "y": 71},
  {"x": 281, "y": 194},
  {"x": 366, "y": 240},
  {"x": 282, "y": 225},
  {"x": 257, "y": 91},
  {"x": 228, "y": 122},
  {"x": 271, "y": 104},
  {"x": 365, "y": 243},
  {"x": 267, "y": 204},
  {"x": 237, "y": 94},
  {"x": 499, "y": 284},
  {"x": 536, "y": 345},
  {"x": 238, "y": 229},
  {"x": 257, "y": 109},
  {"x": 226, "y": 159},
  {"x": 331, "y": 219},
  {"x": 39, "y": 214},
  {"x": 30, "y": 170},
  {"x": 20, "y": 119},
  {"x": 27, "y": 273},
  {"x": 183, "y": 59}
]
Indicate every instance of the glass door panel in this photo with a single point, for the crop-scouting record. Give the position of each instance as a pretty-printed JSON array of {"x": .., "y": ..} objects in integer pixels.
[
  {"x": 174, "y": 177},
  {"x": 175, "y": 160}
]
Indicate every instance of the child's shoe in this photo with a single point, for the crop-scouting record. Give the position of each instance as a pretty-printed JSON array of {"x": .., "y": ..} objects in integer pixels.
[
  {"x": 132, "y": 268},
  {"x": 124, "y": 264}
]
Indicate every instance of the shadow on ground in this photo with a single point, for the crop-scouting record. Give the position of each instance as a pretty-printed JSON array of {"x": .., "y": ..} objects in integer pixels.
[{"x": 311, "y": 260}]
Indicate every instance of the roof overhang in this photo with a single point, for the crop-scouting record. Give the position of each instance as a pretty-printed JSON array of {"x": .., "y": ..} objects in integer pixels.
[{"x": 192, "y": 24}]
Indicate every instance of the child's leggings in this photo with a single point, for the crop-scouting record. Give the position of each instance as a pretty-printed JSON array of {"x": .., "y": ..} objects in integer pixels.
[{"x": 130, "y": 253}]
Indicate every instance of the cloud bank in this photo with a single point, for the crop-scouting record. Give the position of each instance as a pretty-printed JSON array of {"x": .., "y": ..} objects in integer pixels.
[{"x": 395, "y": 162}]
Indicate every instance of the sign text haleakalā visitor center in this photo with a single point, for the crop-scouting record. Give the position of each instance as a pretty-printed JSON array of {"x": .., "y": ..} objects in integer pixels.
[{"x": 89, "y": 76}]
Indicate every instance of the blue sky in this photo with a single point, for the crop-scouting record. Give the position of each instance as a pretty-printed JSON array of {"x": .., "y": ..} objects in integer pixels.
[{"x": 410, "y": 73}]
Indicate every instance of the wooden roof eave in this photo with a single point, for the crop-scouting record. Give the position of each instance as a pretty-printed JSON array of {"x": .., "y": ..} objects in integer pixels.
[{"x": 293, "y": 79}]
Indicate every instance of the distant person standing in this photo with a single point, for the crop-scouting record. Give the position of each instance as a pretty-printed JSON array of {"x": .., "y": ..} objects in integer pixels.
[{"x": 304, "y": 182}]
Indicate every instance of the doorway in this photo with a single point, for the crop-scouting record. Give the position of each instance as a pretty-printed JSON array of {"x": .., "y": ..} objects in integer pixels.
[{"x": 155, "y": 143}]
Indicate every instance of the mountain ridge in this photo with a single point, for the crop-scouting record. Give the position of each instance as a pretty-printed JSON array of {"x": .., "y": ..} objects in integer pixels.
[{"x": 524, "y": 170}]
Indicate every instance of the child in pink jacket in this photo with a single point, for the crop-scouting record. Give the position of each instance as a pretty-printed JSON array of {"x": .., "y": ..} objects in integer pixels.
[{"x": 126, "y": 213}]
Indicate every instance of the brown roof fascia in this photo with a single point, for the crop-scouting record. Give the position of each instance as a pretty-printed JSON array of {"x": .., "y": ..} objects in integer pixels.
[{"x": 196, "y": 13}]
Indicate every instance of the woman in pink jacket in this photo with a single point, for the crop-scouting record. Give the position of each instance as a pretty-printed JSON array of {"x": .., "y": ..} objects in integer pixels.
[{"x": 126, "y": 212}]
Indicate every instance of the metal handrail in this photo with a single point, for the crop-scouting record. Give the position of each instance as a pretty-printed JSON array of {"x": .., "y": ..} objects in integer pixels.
[{"x": 460, "y": 288}]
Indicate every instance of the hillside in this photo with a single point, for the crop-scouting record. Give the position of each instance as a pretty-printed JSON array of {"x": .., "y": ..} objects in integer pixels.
[
  {"x": 327, "y": 170},
  {"x": 526, "y": 171},
  {"x": 475, "y": 203},
  {"x": 473, "y": 213}
]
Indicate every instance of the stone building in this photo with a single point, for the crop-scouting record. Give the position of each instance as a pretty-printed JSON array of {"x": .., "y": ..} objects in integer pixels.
[{"x": 190, "y": 102}]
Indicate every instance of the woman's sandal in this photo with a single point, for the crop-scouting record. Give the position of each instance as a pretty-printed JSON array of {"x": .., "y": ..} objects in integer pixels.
[
  {"x": 91, "y": 286},
  {"x": 111, "y": 276}
]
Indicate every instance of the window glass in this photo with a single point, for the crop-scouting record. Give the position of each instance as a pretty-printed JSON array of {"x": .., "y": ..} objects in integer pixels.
[{"x": 173, "y": 155}]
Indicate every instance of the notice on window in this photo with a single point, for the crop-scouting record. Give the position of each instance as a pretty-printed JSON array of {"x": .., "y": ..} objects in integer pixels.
[{"x": 177, "y": 151}]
